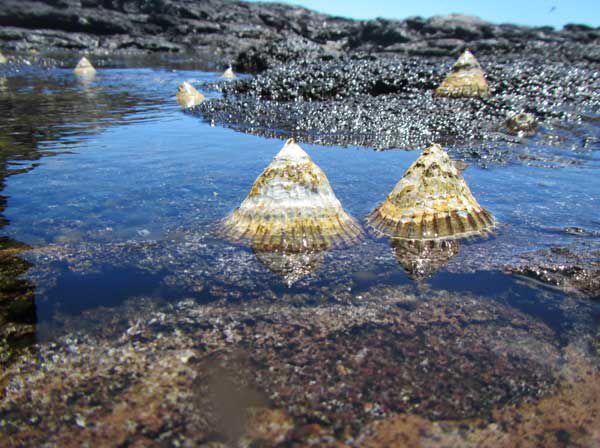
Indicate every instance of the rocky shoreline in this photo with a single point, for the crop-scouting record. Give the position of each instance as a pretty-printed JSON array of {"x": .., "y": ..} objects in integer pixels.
[{"x": 255, "y": 36}]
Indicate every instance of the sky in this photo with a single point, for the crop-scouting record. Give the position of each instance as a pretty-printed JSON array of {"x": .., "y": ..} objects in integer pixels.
[{"x": 555, "y": 13}]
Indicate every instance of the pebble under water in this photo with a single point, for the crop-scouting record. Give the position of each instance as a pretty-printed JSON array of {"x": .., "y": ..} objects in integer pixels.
[{"x": 126, "y": 320}]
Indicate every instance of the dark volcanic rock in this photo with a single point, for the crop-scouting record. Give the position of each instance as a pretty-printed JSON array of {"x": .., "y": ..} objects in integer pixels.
[
  {"x": 388, "y": 103},
  {"x": 261, "y": 35}
]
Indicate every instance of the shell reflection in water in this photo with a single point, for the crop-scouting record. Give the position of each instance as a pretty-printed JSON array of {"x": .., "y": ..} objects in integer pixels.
[
  {"x": 188, "y": 96},
  {"x": 466, "y": 79},
  {"x": 290, "y": 266},
  {"x": 422, "y": 258},
  {"x": 84, "y": 68},
  {"x": 291, "y": 209},
  {"x": 431, "y": 201}
]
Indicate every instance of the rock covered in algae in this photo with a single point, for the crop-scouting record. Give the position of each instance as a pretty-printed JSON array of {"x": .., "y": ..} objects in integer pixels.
[
  {"x": 431, "y": 201},
  {"x": 291, "y": 208},
  {"x": 522, "y": 123},
  {"x": 84, "y": 67},
  {"x": 466, "y": 79},
  {"x": 228, "y": 73},
  {"x": 188, "y": 96}
]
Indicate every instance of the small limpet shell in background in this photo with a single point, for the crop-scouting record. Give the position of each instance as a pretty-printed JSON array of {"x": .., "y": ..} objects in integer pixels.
[
  {"x": 84, "y": 68},
  {"x": 522, "y": 123},
  {"x": 431, "y": 201},
  {"x": 466, "y": 79},
  {"x": 291, "y": 208},
  {"x": 188, "y": 96},
  {"x": 228, "y": 74}
]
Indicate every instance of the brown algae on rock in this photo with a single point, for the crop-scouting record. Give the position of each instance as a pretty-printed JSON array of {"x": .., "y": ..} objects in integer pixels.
[
  {"x": 466, "y": 79},
  {"x": 431, "y": 201},
  {"x": 188, "y": 96},
  {"x": 84, "y": 68},
  {"x": 291, "y": 208}
]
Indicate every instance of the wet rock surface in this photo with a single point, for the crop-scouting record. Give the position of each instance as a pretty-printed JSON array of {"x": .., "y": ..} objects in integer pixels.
[
  {"x": 202, "y": 373},
  {"x": 565, "y": 268},
  {"x": 389, "y": 103}
]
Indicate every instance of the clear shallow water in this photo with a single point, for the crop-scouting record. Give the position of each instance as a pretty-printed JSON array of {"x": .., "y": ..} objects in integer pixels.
[
  {"x": 136, "y": 316},
  {"x": 127, "y": 202}
]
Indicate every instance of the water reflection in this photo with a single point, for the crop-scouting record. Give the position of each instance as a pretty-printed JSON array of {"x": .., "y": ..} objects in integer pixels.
[
  {"x": 423, "y": 258},
  {"x": 290, "y": 266},
  {"x": 37, "y": 109}
]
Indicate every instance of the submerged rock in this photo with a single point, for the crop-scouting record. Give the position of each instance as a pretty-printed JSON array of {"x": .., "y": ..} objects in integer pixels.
[
  {"x": 521, "y": 124},
  {"x": 431, "y": 201},
  {"x": 568, "y": 268},
  {"x": 84, "y": 68},
  {"x": 466, "y": 79},
  {"x": 292, "y": 208},
  {"x": 228, "y": 74},
  {"x": 188, "y": 96}
]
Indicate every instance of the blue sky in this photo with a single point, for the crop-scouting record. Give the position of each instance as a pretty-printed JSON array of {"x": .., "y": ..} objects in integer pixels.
[{"x": 525, "y": 12}]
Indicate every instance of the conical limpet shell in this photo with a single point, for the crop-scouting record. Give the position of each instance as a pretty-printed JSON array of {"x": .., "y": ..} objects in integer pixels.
[
  {"x": 228, "y": 74},
  {"x": 422, "y": 258},
  {"x": 188, "y": 96},
  {"x": 431, "y": 201},
  {"x": 522, "y": 123},
  {"x": 291, "y": 208},
  {"x": 84, "y": 67},
  {"x": 466, "y": 79}
]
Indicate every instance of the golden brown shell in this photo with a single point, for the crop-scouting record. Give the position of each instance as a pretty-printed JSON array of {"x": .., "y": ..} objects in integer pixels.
[
  {"x": 188, "y": 96},
  {"x": 291, "y": 208},
  {"x": 466, "y": 79},
  {"x": 431, "y": 201}
]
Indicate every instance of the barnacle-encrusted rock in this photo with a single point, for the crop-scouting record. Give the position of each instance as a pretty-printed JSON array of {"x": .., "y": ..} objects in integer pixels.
[
  {"x": 431, "y": 201},
  {"x": 84, "y": 67},
  {"x": 465, "y": 79},
  {"x": 522, "y": 123},
  {"x": 188, "y": 96},
  {"x": 422, "y": 258},
  {"x": 3, "y": 59},
  {"x": 291, "y": 208},
  {"x": 228, "y": 74}
]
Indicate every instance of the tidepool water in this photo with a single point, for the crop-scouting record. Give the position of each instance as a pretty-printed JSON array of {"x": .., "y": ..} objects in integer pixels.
[{"x": 116, "y": 192}]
